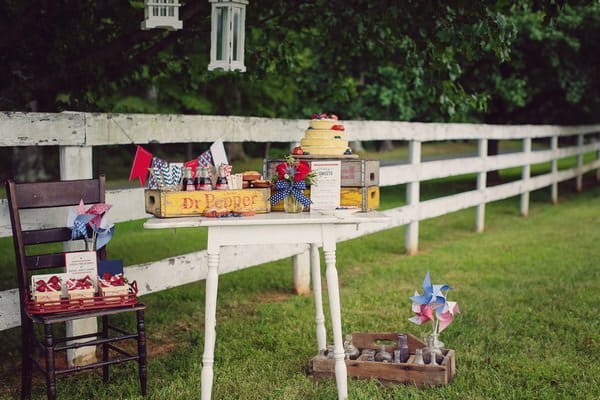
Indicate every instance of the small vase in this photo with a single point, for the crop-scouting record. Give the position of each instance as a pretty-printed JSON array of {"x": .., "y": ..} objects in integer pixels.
[
  {"x": 434, "y": 346},
  {"x": 292, "y": 205}
]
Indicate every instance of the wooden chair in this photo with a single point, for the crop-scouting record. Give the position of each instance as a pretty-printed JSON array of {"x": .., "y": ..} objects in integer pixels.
[{"x": 58, "y": 194}]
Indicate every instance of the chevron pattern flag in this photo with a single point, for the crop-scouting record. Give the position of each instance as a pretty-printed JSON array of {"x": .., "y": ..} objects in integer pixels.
[{"x": 285, "y": 188}]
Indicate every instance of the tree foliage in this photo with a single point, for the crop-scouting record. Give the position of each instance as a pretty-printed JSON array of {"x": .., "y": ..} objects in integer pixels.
[{"x": 494, "y": 61}]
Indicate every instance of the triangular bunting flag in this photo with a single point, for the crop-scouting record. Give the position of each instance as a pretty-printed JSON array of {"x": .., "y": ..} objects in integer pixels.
[{"x": 140, "y": 166}]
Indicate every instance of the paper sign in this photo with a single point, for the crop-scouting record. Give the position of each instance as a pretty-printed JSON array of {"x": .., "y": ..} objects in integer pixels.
[
  {"x": 325, "y": 193},
  {"x": 81, "y": 263},
  {"x": 217, "y": 150}
]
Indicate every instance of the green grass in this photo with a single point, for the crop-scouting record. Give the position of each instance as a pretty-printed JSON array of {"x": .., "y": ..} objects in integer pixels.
[{"x": 528, "y": 290}]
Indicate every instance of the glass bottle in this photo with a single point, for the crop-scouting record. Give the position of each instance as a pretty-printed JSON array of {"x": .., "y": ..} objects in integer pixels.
[
  {"x": 432, "y": 357},
  {"x": 203, "y": 179},
  {"x": 403, "y": 347},
  {"x": 369, "y": 355},
  {"x": 188, "y": 181},
  {"x": 351, "y": 351},
  {"x": 383, "y": 355},
  {"x": 222, "y": 179},
  {"x": 433, "y": 347},
  {"x": 419, "y": 357},
  {"x": 330, "y": 351}
]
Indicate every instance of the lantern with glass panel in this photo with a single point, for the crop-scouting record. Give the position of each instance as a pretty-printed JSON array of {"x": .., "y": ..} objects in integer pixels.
[
  {"x": 162, "y": 14},
  {"x": 228, "y": 21}
]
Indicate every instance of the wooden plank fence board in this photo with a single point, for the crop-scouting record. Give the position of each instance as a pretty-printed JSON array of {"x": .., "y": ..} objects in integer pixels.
[{"x": 42, "y": 129}]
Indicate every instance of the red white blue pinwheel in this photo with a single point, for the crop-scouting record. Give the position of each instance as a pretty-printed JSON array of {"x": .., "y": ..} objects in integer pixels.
[
  {"x": 433, "y": 298},
  {"x": 91, "y": 221}
]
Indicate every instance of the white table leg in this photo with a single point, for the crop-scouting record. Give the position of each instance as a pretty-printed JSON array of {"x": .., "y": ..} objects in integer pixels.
[
  {"x": 210, "y": 321},
  {"x": 341, "y": 377},
  {"x": 315, "y": 267}
]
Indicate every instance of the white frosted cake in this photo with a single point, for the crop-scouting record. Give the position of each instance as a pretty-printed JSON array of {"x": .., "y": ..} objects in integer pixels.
[{"x": 324, "y": 137}]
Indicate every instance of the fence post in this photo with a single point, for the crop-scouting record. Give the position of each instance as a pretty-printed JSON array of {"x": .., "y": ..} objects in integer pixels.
[
  {"x": 598, "y": 170},
  {"x": 301, "y": 272},
  {"x": 525, "y": 175},
  {"x": 412, "y": 198},
  {"x": 481, "y": 184},
  {"x": 579, "y": 179},
  {"x": 76, "y": 163},
  {"x": 554, "y": 145}
]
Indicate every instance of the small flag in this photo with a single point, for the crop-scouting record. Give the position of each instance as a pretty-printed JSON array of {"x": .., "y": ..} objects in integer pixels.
[
  {"x": 141, "y": 162},
  {"x": 205, "y": 159}
]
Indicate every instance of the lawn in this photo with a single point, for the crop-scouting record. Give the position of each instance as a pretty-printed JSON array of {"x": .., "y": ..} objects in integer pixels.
[{"x": 527, "y": 287}]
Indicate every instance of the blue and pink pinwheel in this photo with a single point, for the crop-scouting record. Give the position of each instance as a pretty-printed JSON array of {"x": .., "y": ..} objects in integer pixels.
[
  {"x": 100, "y": 229},
  {"x": 433, "y": 306}
]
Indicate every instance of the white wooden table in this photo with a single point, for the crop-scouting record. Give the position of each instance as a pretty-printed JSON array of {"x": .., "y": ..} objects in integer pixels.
[{"x": 274, "y": 228}]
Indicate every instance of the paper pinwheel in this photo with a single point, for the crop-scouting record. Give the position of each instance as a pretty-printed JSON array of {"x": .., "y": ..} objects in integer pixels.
[
  {"x": 93, "y": 218},
  {"x": 433, "y": 298}
]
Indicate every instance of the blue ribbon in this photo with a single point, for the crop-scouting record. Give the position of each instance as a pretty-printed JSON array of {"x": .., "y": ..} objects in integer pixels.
[{"x": 285, "y": 187}]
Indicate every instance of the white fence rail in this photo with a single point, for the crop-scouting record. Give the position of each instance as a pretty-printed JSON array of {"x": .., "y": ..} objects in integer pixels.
[{"x": 77, "y": 133}]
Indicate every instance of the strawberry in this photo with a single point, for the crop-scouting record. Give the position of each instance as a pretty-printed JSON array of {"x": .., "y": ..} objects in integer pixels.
[
  {"x": 297, "y": 151},
  {"x": 338, "y": 127}
]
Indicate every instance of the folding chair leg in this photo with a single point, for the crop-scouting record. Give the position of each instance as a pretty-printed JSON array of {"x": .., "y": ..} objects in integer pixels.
[
  {"x": 143, "y": 369},
  {"x": 50, "y": 375},
  {"x": 26, "y": 363},
  {"x": 105, "y": 376}
]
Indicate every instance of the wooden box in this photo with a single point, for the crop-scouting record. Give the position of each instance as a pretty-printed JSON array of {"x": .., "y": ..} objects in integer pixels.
[
  {"x": 403, "y": 373},
  {"x": 79, "y": 296},
  {"x": 121, "y": 290},
  {"x": 184, "y": 204},
  {"x": 355, "y": 172},
  {"x": 47, "y": 297},
  {"x": 365, "y": 198}
]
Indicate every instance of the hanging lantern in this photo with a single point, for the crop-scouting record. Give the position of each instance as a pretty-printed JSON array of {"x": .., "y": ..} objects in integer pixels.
[
  {"x": 162, "y": 14},
  {"x": 228, "y": 26}
]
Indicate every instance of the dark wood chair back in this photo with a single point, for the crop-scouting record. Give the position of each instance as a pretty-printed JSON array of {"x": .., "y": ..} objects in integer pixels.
[{"x": 41, "y": 195}]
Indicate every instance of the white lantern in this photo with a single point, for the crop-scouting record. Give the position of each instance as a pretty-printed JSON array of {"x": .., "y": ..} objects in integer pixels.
[
  {"x": 162, "y": 14},
  {"x": 228, "y": 21}
]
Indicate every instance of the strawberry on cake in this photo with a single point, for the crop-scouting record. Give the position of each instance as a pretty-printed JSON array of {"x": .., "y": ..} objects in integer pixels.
[{"x": 324, "y": 137}]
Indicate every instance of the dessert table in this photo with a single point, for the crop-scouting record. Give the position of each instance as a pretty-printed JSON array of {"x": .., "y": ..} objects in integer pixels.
[{"x": 275, "y": 228}]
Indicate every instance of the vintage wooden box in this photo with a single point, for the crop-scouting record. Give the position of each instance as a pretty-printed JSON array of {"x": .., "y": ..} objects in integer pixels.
[
  {"x": 365, "y": 198},
  {"x": 81, "y": 296},
  {"x": 404, "y": 373},
  {"x": 184, "y": 204},
  {"x": 47, "y": 297},
  {"x": 355, "y": 172}
]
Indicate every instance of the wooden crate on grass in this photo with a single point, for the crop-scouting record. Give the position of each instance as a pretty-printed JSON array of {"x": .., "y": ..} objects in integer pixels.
[{"x": 403, "y": 373}]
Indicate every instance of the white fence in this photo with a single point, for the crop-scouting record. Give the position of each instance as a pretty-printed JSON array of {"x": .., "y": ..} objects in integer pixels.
[{"x": 77, "y": 133}]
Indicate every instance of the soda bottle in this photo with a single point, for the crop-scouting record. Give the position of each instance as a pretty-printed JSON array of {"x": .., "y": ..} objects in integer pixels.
[
  {"x": 203, "y": 179},
  {"x": 188, "y": 181}
]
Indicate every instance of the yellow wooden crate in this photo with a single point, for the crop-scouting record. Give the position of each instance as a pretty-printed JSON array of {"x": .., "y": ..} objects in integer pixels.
[
  {"x": 365, "y": 198},
  {"x": 184, "y": 204}
]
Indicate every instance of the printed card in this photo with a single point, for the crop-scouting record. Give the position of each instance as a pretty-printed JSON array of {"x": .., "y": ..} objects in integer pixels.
[
  {"x": 325, "y": 193},
  {"x": 81, "y": 263}
]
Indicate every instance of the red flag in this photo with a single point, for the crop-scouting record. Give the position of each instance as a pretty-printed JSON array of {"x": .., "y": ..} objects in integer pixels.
[{"x": 140, "y": 166}]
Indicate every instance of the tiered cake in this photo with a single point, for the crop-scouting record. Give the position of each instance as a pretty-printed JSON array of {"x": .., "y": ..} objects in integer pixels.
[{"x": 324, "y": 136}]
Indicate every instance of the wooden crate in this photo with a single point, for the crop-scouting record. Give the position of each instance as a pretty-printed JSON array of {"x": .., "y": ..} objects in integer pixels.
[
  {"x": 404, "y": 373},
  {"x": 184, "y": 204},
  {"x": 365, "y": 198},
  {"x": 355, "y": 172}
]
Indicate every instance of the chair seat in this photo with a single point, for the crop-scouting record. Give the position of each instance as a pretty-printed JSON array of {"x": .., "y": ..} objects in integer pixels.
[{"x": 73, "y": 315}]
